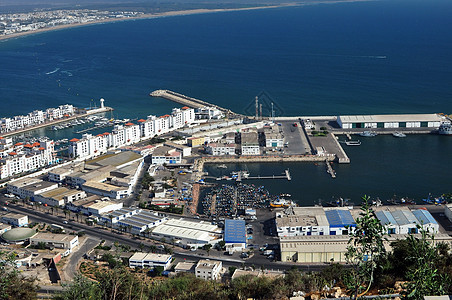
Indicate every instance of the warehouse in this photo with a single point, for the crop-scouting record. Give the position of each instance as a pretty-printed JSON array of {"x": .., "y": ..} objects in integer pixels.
[
  {"x": 403, "y": 221},
  {"x": 60, "y": 196},
  {"x": 17, "y": 220},
  {"x": 390, "y": 121},
  {"x": 340, "y": 221},
  {"x": 188, "y": 233},
  {"x": 327, "y": 248},
  {"x": 63, "y": 241},
  {"x": 235, "y": 235}
]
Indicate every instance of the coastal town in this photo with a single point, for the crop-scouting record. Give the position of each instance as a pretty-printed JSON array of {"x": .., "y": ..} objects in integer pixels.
[
  {"x": 14, "y": 23},
  {"x": 141, "y": 184}
]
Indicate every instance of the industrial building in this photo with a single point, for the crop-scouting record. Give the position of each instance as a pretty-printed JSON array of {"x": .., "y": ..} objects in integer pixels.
[
  {"x": 30, "y": 187},
  {"x": 188, "y": 233},
  {"x": 390, "y": 121},
  {"x": 234, "y": 235},
  {"x": 250, "y": 143},
  {"x": 324, "y": 248},
  {"x": 297, "y": 221},
  {"x": 60, "y": 196},
  {"x": 135, "y": 221},
  {"x": 150, "y": 260},
  {"x": 208, "y": 269},
  {"x": 16, "y": 220},
  {"x": 404, "y": 221},
  {"x": 4, "y": 228},
  {"x": 166, "y": 155},
  {"x": 220, "y": 149},
  {"x": 62, "y": 241}
]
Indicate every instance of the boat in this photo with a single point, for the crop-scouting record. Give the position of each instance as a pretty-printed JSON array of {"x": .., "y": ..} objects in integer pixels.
[
  {"x": 401, "y": 201},
  {"x": 223, "y": 166},
  {"x": 339, "y": 202},
  {"x": 368, "y": 133},
  {"x": 398, "y": 134},
  {"x": 436, "y": 201},
  {"x": 244, "y": 174},
  {"x": 353, "y": 143},
  {"x": 445, "y": 128},
  {"x": 281, "y": 202}
]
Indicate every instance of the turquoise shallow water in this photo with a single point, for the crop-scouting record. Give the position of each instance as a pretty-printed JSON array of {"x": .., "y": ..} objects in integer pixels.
[{"x": 353, "y": 58}]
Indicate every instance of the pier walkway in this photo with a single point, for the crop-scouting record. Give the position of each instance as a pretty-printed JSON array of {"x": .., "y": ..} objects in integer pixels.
[{"x": 187, "y": 101}]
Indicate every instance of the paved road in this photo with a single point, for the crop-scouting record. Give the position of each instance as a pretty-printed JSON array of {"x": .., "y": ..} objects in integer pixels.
[
  {"x": 71, "y": 267},
  {"x": 294, "y": 135},
  {"x": 126, "y": 239}
]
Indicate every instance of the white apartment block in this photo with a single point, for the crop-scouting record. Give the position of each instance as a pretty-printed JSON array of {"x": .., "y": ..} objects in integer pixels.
[
  {"x": 35, "y": 117},
  {"x": 90, "y": 146},
  {"x": 19, "y": 158},
  {"x": 208, "y": 269}
]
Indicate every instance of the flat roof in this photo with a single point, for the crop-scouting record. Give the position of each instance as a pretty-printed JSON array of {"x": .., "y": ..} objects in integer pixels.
[
  {"x": 101, "y": 204},
  {"x": 179, "y": 232},
  {"x": 24, "y": 181},
  {"x": 250, "y": 138},
  {"x": 391, "y": 118},
  {"x": 203, "y": 226},
  {"x": 39, "y": 186},
  {"x": 234, "y": 231},
  {"x": 14, "y": 216},
  {"x": 208, "y": 264},
  {"x": 103, "y": 186},
  {"x": 116, "y": 159},
  {"x": 54, "y": 237},
  {"x": 152, "y": 257}
]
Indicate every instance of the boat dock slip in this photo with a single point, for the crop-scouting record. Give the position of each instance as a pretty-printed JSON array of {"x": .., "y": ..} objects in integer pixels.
[
  {"x": 286, "y": 175},
  {"x": 329, "y": 169},
  {"x": 185, "y": 100}
]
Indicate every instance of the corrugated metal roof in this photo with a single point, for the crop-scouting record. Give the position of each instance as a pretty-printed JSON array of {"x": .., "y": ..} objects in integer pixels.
[
  {"x": 404, "y": 217},
  {"x": 391, "y": 118},
  {"x": 234, "y": 231},
  {"x": 385, "y": 218},
  {"x": 340, "y": 218},
  {"x": 424, "y": 216}
]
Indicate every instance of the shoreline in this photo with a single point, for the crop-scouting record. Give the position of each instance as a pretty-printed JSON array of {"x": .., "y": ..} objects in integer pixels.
[{"x": 172, "y": 14}]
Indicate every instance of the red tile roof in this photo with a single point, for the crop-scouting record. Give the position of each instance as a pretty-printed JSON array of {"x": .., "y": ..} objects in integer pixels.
[
  {"x": 12, "y": 153},
  {"x": 28, "y": 146},
  {"x": 74, "y": 140},
  {"x": 106, "y": 133},
  {"x": 18, "y": 144},
  {"x": 36, "y": 144},
  {"x": 141, "y": 120},
  {"x": 41, "y": 148},
  {"x": 100, "y": 134},
  {"x": 185, "y": 107},
  {"x": 129, "y": 124}
]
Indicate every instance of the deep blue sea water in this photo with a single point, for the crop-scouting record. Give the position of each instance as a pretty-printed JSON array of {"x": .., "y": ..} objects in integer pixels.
[{"x": 328, "y": 59}]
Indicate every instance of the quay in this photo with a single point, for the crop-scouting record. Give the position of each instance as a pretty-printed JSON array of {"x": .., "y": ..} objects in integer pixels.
[
  {"x": 54, "y": 122},
  {"x": 187, "y": 101},
  {"x": 285, "y": 176}
]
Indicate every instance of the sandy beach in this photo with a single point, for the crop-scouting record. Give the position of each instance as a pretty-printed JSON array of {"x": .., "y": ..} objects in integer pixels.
[
  {"x": 144, "y": 16},
  {"x": 171, "y": 14}
]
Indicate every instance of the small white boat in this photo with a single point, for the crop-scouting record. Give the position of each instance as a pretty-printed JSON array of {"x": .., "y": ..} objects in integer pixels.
[
  {"x": 398, "y": 134},
  {"x": 353, "y": 143}
]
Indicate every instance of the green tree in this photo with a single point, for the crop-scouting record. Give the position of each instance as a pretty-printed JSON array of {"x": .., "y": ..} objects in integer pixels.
[
  {"x": 80, "y": 288},
  {"x": 13, "y": 285},
  {"x": 424, "y": 276},
  {"x": 365, "y": 248},
  {"x": 207, "y": 248}
]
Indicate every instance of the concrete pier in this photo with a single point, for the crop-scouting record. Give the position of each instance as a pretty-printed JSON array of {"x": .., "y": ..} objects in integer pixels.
[{"x": 185, "y": 100}]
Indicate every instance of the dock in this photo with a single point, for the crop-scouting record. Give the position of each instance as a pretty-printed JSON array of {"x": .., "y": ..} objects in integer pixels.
[
  {"x": 329, "y": 169},
  {"x": 186, "y": 100},
  {"x": 285, "y": 176},
  {"x": 54, "y": 122}
]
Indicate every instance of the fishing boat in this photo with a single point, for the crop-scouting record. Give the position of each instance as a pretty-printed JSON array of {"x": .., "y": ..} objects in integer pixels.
[
  {"x": 401, "y": 201},
  {"x": 445, "y": 128},
  {"x": 339, "y": 202},
  {"x": 398, "y": 134},
  {"x": 368, "y": 133},
  {"x": 436, "y": 201},
  {"x": 223, "y": 166},
  {"x": 281, "y": 202}
]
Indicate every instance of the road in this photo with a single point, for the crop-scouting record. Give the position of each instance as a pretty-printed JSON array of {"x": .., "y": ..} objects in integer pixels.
[
  {"x": 72, "y": 265},
  {"x": 106, "y": 234}
]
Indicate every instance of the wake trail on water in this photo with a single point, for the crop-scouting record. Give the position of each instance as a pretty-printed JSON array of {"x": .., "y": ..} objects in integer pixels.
[{"x": 54, "y": 71}]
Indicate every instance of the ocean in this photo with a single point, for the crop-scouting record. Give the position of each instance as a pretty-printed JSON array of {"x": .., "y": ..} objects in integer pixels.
[{"x": 327, "y": 59}]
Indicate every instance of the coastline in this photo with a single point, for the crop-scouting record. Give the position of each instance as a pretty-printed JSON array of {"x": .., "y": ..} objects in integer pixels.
[
  {"x": 172, "y": 14},
  {"x": 142, "y": 17}
]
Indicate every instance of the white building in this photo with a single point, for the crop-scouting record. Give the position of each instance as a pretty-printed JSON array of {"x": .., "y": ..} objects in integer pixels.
[
  {"x": 59, "y": 196},
  {"x": 250, "y": 143},
  {"x": 136, "y": 221},
  {"x": 16, "y": 220},
  {"x": 220, "y": 149},
  {"x": 100, "y": 207},
  {"x": 188, "y": 233},
  {"x": 19, "y": 158},
  {"x": 273, "y": 139},
  {"x": 208, "y": 113},
  {"x": 208, "y": 269},
  {"x": 303, "y": 221},
  {"x": 405, "y": 221},
  {"x": 390, "y": 121},
  {"x": 150, "y": 260},
  {"x": 166, "y": 155},
  {"x": 30, "y": 187},
  {"x": 62, "y": 241}
]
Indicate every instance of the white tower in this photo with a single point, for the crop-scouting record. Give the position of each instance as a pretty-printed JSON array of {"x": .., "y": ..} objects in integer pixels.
[{"x": 102, "y": 103}]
